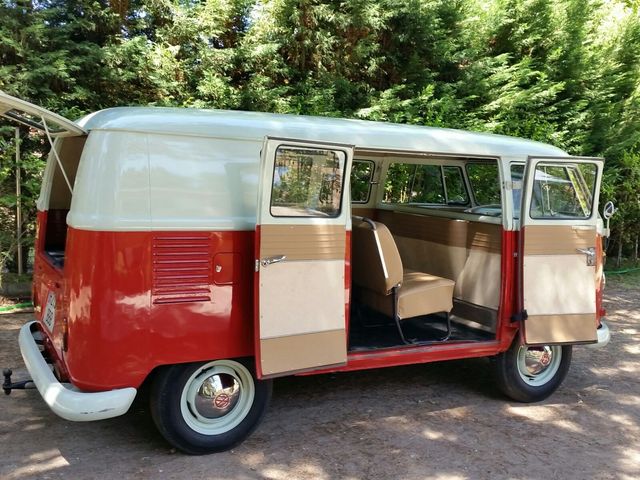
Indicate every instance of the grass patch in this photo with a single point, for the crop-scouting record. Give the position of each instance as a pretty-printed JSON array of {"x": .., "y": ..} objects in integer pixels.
[{"x": 630, "y": 279}]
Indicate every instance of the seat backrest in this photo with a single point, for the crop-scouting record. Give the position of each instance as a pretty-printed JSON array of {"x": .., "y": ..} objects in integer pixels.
[{"x": 376, "y": 263}]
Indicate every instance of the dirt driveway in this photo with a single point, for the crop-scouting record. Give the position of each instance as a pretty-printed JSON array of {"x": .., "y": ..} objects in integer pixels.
[{"x": 438, "y": 421}]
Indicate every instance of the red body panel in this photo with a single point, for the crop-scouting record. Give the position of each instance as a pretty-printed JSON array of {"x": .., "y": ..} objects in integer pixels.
[
  {"x": 138, "y": 300},
  {"x": 123, "y": 321}
]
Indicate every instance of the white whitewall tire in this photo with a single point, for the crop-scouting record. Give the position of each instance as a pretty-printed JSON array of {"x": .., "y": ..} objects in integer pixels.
[{"x": 208, "y": 407}]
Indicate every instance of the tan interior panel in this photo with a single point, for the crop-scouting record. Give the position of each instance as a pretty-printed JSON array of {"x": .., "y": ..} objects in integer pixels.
[
  {"x": 303, "y": 242},
  {"x": 364, "y": 212},
  {"x": 424, "y": 256},
  {"x": 545, "y": 329},
  {"x": 445, "y": 231},
  {"x": 557, "y": 239},
  {"x": 69, "y": 151},
  {"x": 301, "y": 352}
]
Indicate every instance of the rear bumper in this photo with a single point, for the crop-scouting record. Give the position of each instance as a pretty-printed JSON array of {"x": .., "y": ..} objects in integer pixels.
[
  {"x": 63, "y": 398},
  {"x": 604, "y": 335}
]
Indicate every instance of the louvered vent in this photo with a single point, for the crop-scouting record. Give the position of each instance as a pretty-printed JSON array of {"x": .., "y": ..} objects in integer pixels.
[{"x": 181, "y": 269}]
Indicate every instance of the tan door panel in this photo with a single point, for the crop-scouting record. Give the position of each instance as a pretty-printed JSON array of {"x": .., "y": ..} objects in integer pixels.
[
  {"x": 303, "y": 242},
  {"x": 306, "y": 281},
  {"x": 559, "y": 290},
  {"x": 310, "y": 288},
  {"x": 302, "y": 352},
  {"x": 548, "y": 329}
]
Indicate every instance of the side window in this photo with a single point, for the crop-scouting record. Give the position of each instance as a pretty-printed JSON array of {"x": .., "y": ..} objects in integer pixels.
[
  {"x": 485, "y": 182},
  {"x": 307, "y": 182},
  {"x": 517, "y": 176},
  {"x": 456, "y": 191},
  {"x": 428, "y": 186},
  {"x": 361, "y": 174},
  {"x": 563, "y": 191},
  {"x": 412, "y": 183},
  {"x": 397, "y": 186}
]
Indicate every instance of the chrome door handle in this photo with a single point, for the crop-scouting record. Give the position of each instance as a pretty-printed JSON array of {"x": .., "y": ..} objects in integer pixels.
[
  {"x": 265, "y": 262},
  {"x": 591, "y": 255}
]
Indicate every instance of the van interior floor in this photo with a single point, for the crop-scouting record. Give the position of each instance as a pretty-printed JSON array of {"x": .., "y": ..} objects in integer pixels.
[{"x": 371, "y": 330}]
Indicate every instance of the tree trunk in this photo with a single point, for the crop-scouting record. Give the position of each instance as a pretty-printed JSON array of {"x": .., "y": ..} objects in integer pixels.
[{"x": 619, "y": 259}]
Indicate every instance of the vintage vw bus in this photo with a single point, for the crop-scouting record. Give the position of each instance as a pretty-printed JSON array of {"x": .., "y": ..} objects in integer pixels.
[{"x": 204, "y": 253}]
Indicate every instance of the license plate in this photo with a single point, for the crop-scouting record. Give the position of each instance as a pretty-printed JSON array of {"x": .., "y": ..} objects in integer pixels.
[{"x": 49, "y": 317}]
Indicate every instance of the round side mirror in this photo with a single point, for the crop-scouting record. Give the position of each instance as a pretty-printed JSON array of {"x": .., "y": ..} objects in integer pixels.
[{"x": 608, "y": 210}]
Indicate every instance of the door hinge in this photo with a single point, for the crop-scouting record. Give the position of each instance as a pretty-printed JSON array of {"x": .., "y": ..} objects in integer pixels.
[
  {"x": 257, "y": 265},
  {"x": 519, "y": 317}
]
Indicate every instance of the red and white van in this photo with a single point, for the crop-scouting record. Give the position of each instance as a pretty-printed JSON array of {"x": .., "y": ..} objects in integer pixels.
[{"x": 207, "y": 252}]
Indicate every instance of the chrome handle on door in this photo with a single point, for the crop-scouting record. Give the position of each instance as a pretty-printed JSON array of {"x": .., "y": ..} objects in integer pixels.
[
  {"x": 265, "y": 262},
  {"x": 591, "y": 255}
]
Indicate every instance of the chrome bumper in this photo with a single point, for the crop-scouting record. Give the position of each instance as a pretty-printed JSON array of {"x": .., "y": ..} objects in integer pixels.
[
  {"x": 604, "y": 335},
  {"x": 63, "y": 398}
]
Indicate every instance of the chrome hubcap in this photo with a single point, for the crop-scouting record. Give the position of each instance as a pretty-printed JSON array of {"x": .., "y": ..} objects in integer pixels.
[
  {"x": 538, "y": 365},
  {"x": 217, "y": 395}
]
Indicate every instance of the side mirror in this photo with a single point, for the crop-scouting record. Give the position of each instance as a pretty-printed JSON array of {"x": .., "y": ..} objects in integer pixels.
[{"x": 607, "y": 212}]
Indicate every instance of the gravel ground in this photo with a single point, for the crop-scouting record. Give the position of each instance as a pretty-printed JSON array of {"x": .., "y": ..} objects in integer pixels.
[{"x": 436, "y": 421}]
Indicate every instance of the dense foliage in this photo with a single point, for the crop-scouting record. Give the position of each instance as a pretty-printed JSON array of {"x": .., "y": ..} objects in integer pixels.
[{"x": 566, "y": 72}]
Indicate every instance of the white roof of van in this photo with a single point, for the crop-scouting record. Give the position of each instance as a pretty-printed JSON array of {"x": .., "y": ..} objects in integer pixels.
[{"x": 254, "y": 126}]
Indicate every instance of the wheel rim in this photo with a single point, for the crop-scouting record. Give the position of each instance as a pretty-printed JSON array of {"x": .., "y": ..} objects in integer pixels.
[
  {"x": 538, "y": 365},
  {"x": 217, "y": 397}
]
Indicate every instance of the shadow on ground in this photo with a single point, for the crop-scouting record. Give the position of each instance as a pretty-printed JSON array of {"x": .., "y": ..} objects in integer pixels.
[{"x": 440, "y": 421}]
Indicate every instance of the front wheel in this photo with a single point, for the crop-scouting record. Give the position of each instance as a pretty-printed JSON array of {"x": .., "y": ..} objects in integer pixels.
[
  {"x": 208, "y": 407},
  {"x": 530, "y": 374}
]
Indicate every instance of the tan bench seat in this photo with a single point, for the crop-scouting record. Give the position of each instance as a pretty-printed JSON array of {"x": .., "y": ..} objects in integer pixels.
[
  {"x": 381, "y": 283},
  {"x": 419, "y": 294}
]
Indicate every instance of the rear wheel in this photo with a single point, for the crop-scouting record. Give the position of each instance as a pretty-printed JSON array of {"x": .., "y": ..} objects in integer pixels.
[
  {"x": 530, "y": 374},
  {"x": 208, "y": 407}
]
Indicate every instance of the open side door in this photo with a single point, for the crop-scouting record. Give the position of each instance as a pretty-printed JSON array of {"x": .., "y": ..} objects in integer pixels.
[
  {"x": 558, "y": 249},
  {"x": 301, "y": 249},
  {"x": 26, "y": 113}
]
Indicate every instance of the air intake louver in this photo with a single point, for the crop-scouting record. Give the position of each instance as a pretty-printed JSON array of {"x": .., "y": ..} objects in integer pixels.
[{"x": 181, "y": 269}]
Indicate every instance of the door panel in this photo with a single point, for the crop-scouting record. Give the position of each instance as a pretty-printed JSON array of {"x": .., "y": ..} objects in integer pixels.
[
  {"x": 26, "y": 113},
  {"x": 558, "y": 234},
  {"x": 561, "y": 296},
  {"x": 303, "y": 242},
  {"x": 303, "y": 219},
  {"x": 283, "y": 354},
  {"x": 310, "y": 288}
]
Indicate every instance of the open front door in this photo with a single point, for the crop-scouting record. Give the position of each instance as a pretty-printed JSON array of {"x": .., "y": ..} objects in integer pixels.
[
  {"x": 558, "y": 250},
  {"x": 33, "y": 116},
  {"x": 301, "y": 248}
]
